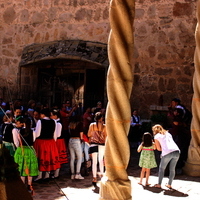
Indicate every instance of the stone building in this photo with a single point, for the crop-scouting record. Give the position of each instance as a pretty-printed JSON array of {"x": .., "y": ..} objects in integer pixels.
[{"x": 53, "y": 50}]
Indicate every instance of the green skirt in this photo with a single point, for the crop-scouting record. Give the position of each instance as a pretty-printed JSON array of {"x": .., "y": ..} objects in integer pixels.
[{"x": 27, "y": 161}]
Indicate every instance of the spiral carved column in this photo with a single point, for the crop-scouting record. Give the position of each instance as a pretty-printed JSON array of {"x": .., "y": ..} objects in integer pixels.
[
  {"x": 192, "y": 166},
  {"x": 116, "y": 185}
]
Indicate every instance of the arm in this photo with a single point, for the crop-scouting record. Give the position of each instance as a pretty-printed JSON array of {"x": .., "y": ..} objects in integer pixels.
[
  {"x": 140, "y": 148},
  {"x": 15, "y": 137},
  {"x": 81, "y": 136},
  {"x": 157, "y": 145},
  {"x": 55, "y": 131},
  {"x": 58, "y": 129},
  {"x": 154, "y": 146},
  {"x": 90, "y": 130},
  {"x": 38, "y": 129}
]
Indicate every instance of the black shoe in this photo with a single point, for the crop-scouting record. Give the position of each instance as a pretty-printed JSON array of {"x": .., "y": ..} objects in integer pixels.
[
  {"x": 94, "y": 182},
  {"x": 30, "y": 189},
  {"x": 37, "y": 180}
]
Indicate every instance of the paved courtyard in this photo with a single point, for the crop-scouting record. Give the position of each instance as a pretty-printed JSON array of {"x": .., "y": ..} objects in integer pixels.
[{"x": 184, "y": 187}]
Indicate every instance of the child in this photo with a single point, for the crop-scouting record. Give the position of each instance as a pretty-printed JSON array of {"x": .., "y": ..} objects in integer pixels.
[
  {"x": 147, "y": 157},
  {"x": 6, "y": 130},
  {"x": 25, "y": 155}
]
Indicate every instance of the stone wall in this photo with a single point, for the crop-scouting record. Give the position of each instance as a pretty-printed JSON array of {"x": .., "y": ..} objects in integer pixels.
[
  {"x": 164, "y": 41},
  {"x": 164, "y": 51},
  {"x": 38, "y": 21}
]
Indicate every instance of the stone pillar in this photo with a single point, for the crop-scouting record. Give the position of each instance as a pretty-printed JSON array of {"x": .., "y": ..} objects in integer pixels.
[
  {"x": 115, "y": 185},
  {"x": 192, "y": 166}
]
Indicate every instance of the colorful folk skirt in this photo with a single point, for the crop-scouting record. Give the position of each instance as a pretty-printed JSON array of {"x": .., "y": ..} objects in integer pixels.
[
  {"x": 26, "y": 158},
  {"x": 47, "y": 154},
  {"x": 62, "y": 151},
  {"x": 10, "y": 147}
]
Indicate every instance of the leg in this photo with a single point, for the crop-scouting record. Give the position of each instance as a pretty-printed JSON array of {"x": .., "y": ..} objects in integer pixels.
[
  {"x": 147, "y": 176},
  {"x": 142, "y": 175},
  {"x": 23, "y": 179},
  {"x": 47, "y": 174},
  {"x": 94, "y": 164},
  {"x": 86, "y": 151},
  {"x": 101, "y": 157},
  {"x": 78, "y": 152},
  {"x": 30, "y": 178},
  {"x": 72, "y": 156},
  {"x": 39, "y": 176},
  {"x": 172, "y": 166},
  {"x": 163, "y": 164},
  {"x": 56, "y": 174}
]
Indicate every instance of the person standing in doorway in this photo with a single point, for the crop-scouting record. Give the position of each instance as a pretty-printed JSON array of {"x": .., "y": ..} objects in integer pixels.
[{"x": 135, "y": 130}]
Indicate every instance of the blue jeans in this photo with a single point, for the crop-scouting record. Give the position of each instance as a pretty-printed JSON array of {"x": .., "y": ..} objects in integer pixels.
[
  {"x": 75, "y": 149},
  {"x": 85, "y": 148},
  {"x": 172, "y": 159}
]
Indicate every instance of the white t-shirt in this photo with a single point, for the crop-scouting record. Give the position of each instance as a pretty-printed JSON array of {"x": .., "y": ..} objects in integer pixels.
[{"x": 167, "y": 143}]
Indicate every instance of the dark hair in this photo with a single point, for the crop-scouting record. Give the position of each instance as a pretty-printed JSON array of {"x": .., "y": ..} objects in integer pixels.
[
  {"x": 176, "y": 100},
  {"x": 45, "y": 112},
  {"x": 20, "y": 119},
  {"x": 98, "y": 116},
  {"x": 27, "y": 122},
  {"x": 56, "y": 112},
  {"x": 7, "y": 116},
  {"x": 17, "y": 108},
  {"x": 147, "y": 139}
]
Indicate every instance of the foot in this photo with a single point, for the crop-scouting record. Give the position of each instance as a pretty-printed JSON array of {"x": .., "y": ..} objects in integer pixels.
[
  {"x": 168, "y": 186},
  {"x": 38, "y": 179},
  {"x": 157, "y": 185},
  {"x": 147, "y": 184},
  {"x": 100, "y": 175},
  {"x": 72, "y": 176},
  {"x": 139, "y": 183},
  {"x": 94, "y": 181},
  {"x": 30, "y": 189},
  {"x": 78, "y": 176}
]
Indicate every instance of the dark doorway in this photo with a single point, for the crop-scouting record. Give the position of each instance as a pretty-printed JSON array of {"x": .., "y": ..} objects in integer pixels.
[
  {"x": 94, "y": 87},
  {"x": 55, "y": 87}
]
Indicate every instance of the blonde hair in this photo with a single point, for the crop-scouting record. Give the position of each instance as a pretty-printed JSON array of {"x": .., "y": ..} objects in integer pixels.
[{"x": 158, "y": 129}]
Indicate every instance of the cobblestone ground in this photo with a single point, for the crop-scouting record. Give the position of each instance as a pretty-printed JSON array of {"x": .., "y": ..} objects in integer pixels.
[{"x": 64, "y": 188}]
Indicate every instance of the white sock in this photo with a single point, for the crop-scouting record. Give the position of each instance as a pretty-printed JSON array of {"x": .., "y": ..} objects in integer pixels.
[
  {"x": 56, "y": 174},
  {"x": 47, "y": 175}
]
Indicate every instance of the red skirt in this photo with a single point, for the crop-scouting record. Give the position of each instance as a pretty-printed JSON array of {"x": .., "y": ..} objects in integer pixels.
[
  {"x": 47, "y": 154},
  {"x": 62, "y": 151}
]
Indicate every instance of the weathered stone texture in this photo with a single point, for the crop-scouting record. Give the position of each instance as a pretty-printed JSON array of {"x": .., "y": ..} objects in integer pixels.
[{"x": 163, "y": 37}]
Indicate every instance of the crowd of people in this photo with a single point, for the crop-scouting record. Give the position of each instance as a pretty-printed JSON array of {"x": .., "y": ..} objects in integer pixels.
[{"x": 42, "y": 139}]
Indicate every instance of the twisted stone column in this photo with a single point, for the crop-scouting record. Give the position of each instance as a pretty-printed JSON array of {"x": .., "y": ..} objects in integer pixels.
[
  {"x": 116, "y": 185},
  {"x": 192, "y": 166}
]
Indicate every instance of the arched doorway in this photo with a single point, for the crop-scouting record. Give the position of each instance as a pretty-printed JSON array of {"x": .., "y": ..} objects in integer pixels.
[{"x": 76, "y": 74}]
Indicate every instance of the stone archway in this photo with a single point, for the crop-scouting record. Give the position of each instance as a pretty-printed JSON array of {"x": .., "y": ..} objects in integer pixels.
[{"x": 55, "y": 70}]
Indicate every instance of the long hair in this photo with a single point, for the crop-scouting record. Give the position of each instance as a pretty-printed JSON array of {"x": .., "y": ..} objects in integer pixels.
[
  {"x": 158, "y": 129},
  {"x": 74, "y": 121},
  {"x": 147, "y": 139},
  {"x": 27, "y": 122}
]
